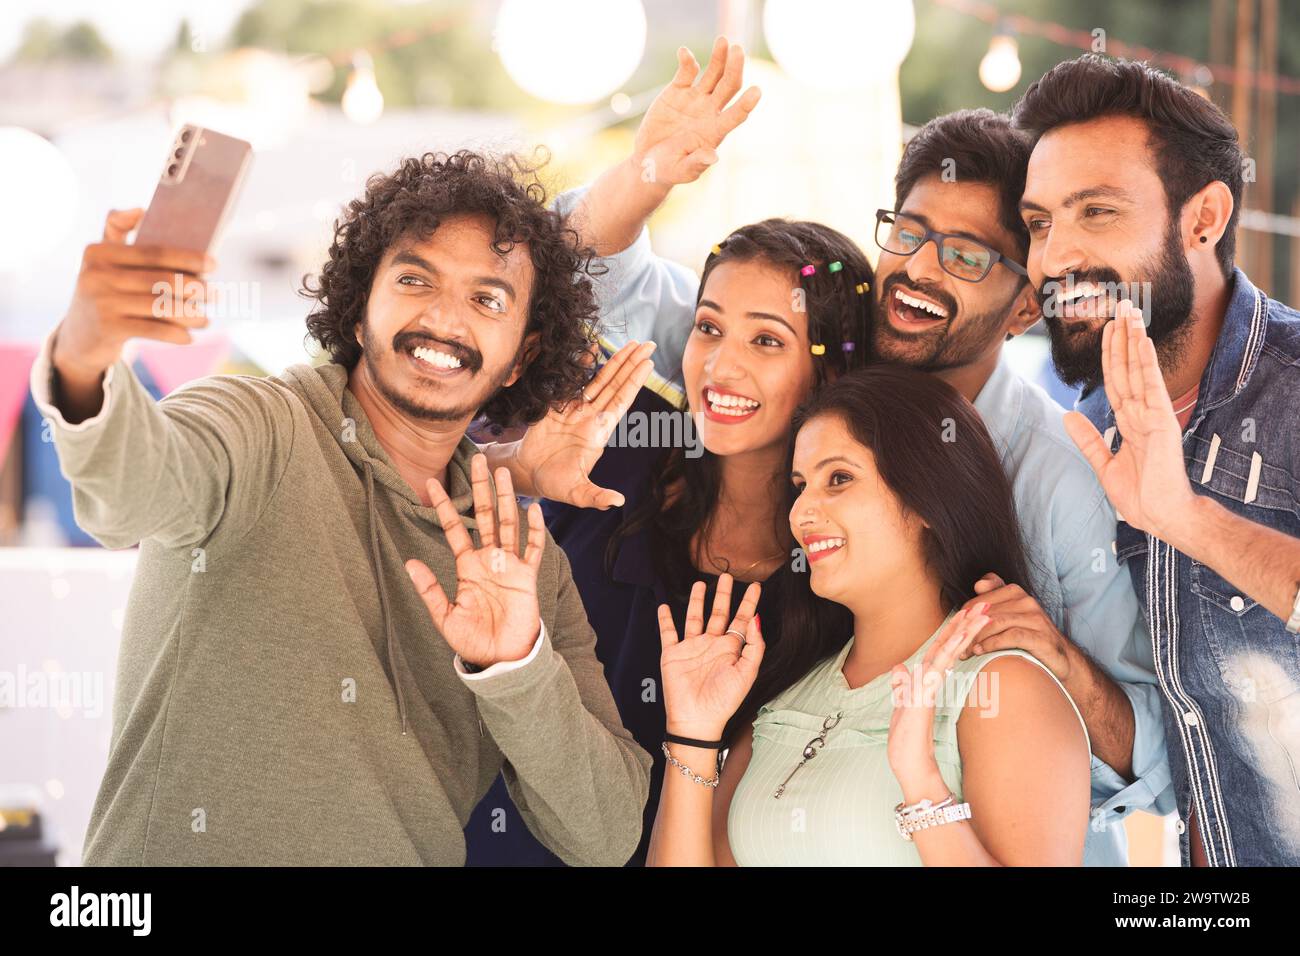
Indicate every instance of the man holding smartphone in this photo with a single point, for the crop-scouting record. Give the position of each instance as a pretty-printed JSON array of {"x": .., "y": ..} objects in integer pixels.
[{"x": 283, "y": 696}]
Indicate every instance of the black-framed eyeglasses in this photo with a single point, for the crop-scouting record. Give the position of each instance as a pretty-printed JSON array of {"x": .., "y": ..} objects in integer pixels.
[{"x": 959, "y": 256}]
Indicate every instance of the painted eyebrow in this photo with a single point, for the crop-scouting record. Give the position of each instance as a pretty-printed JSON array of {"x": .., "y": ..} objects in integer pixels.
[
  {"x": 710, "y": 304},
  {"x": 826, "y": 461},
  {"x": 1079, "y": 195},
  {"x": 408, "y": 258}
]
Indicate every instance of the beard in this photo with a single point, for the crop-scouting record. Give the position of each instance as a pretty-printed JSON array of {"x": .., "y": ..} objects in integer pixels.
[
  {"x": 939, "y": 348},
  {"x": 425, "y": 400},
  {"x": 1076, "y": 346}
]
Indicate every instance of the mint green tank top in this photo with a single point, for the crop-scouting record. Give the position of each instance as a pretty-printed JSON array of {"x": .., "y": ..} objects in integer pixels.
[{"x": 838, "y": 809}]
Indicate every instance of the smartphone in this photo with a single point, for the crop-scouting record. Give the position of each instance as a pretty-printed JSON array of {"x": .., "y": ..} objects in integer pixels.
[{"x": 197, "y": 190}]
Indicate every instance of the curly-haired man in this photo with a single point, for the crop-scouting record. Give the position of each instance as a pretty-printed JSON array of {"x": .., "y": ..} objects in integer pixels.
[{"x": 284, "y": 695}]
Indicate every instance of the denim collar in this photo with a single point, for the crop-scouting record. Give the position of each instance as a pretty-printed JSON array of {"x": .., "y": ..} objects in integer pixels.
[{"x": 1241, "y": 339}]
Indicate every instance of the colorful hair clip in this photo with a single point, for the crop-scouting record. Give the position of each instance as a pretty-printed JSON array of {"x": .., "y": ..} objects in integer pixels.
[
  {"x": 819, "y": 349},
  {"x": 847, "y": 346},
  {"x": 717, "y": 250},
  {"x": 835, "y": 266},
  {"x": 861, "y": 287},
  {"x": 807, "y": 270}
]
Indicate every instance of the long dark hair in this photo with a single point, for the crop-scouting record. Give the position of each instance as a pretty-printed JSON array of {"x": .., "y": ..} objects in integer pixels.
[
  {"x": 839, "y": 308},
  {"x": 931, "y": 448}
]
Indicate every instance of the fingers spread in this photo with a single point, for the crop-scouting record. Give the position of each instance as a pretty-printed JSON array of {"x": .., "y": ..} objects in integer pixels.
[
  {"x": 1085, "y": 435},
  {"x": 687, "y": 68},
  {"x": 732, "y": 76},
  {"x": 713, "y": 70},
  {"x": 536, "y": 536},
  {"x": 749, "y": 603},
  {"x": 739, "y": 111},
  {"x": 624, "y": 380},
  {"x": 1156, "y": 395},
  {"x": 591, "y": 495},
  {"x": 667, "y": 630},
  {"x": 430, "y": 591},
  {"x": 1135, "y": 332},
  {"x": 695, "y": 610},
  {"x": 458, "y": 538},
  {"x": 721, "y": 605},
  {"x": 609, "y": 370},
  {"x": 507, "y": 511},
  {"x": 482, "y": 492}
]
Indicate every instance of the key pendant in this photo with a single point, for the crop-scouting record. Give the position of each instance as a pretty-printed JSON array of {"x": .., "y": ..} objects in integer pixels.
[{"x": 809, "y": 751}]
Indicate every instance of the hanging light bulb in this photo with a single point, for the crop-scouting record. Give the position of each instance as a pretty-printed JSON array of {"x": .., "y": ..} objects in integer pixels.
[
  {"x": 839, "y": 44},
  {"x": 570, "y": 51},
  {"x": 1000, "y": 68},
  {"x": 362, "y": 101}
]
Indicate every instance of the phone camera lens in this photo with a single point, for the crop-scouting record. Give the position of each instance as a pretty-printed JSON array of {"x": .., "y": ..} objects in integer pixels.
[
  {"x": 185, "y": 136},
  {"x": 171, "y": 170},
  {"x": 179, "y": 154}
]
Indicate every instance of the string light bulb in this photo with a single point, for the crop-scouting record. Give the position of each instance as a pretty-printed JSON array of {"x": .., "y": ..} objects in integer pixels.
[
  {"x": 1000, "y": 68},
  {"x": 362, "y": 100}
]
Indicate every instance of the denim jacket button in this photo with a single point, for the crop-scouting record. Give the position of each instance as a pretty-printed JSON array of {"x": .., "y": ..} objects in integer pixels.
[
  {"x": 1237, "y": 603},
  {"x": 1181, "y": 827},
  {"x": 1191, "y": 719}
]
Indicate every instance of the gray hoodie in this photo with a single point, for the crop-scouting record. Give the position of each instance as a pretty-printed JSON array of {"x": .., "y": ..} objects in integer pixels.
[{"x": 282, "y": 695}]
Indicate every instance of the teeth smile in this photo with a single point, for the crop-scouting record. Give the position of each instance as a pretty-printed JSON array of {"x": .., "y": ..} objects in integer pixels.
[
  {"x": 721, "y": 404},
  {"x": 825, "y": 544},
  {"x": 435, "y": 358},
  {"x": 920, "y": 304}
]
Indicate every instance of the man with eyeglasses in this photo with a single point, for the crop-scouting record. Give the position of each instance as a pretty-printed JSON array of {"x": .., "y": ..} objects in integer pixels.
[{"x": 951, "y": 289}]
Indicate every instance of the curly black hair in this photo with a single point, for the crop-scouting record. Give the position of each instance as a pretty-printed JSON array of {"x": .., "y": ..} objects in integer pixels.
[{"x": 414, "y": 200}]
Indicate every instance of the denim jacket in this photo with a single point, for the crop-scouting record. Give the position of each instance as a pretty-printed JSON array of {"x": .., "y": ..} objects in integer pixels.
[{"x": 1229, "y": 671}]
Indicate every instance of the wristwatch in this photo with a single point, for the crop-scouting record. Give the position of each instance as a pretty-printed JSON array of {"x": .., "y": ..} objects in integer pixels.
[{"x": 918, "y": 816}]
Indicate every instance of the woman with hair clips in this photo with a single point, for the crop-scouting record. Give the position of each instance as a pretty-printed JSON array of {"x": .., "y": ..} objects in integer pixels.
[
  {"x": 874, "y": 743},
  {"x": 781, "y": 308}
]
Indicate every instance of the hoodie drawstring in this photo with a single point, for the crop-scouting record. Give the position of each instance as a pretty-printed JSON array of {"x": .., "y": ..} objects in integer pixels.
[{"x": 383, "y": 591}]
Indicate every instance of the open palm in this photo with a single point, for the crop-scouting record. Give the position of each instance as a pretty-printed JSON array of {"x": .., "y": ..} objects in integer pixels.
[
  {"x": 558, "y": 453},
  {"x": 495, "y": 615},
  {"x": 915, "y": 693},
  {"x": 688, "y": 119},
  {"x": 707, "y": 674},
  {"x": 1146, "y": 480}
]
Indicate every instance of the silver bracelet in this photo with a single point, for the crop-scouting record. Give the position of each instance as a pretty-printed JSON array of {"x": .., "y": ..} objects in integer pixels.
[
  {"x": 925, "y": 814},
  {"x": 688, "y": 772},
  {"x": 1293, "y": 622}
]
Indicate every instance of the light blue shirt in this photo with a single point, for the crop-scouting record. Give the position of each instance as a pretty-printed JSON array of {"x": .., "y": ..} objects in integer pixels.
[
  {"x": 1068, "y": 527},
  {"x": 1067, "y": 523}
]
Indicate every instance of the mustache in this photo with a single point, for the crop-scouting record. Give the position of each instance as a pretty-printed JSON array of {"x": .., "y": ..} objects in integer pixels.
[
  {"x": 928, "y": 291},
  {"x": 470, "y": 358},
  {"x": 1053, "y": 285}
]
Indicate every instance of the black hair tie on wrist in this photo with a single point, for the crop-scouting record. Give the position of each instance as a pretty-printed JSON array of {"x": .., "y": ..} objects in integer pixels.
[{"x": 689, "y": 742}]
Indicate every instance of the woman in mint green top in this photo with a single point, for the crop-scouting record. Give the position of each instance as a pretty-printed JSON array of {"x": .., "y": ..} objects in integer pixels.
[
  {"x": 849, "y": 821},
  {"x": 901, "y": 507}
]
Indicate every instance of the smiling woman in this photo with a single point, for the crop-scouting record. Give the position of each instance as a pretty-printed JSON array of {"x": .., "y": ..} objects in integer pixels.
[
  {"x": 444, "y": 250},
  {"x": 897, "y": 516}
]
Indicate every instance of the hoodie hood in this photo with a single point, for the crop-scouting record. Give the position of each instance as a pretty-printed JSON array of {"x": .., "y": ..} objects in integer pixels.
[{"x": 324, "y": 388}]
